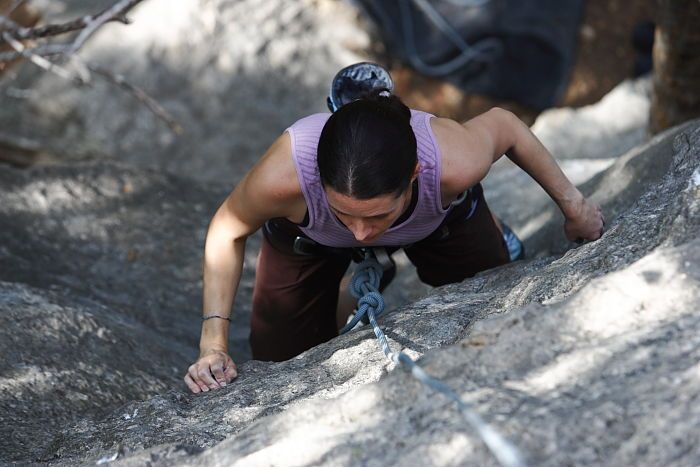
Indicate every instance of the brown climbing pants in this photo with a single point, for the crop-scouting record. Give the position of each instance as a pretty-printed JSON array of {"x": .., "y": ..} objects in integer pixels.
[{"x": 295, "y": 296}]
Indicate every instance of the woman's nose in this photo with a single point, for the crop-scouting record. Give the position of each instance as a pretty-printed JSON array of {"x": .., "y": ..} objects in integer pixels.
[{"x": 361, "y": 230}]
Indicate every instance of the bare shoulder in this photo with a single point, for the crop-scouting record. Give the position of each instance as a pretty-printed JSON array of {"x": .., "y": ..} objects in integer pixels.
[
  {"x": 275, "y": 171},
  {"x": 271, "y": 188},
  {"x": 465, "y": 156},
  {"x": 494, "y": 128}
]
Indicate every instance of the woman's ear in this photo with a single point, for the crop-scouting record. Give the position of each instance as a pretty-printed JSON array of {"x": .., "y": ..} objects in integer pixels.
[{"x": 416, "y": 171}]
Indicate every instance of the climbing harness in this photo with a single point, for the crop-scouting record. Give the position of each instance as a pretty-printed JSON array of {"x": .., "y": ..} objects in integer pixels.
[{"x": 365, "y": 287}]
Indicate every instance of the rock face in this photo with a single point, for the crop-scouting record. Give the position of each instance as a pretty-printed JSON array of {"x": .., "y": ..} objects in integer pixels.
[
  {"x": 101, "y": 283},
  {"x": 233, "y": 73},
  {"x": 580, "y": 356},
  {"x": 587, "y": 358}
]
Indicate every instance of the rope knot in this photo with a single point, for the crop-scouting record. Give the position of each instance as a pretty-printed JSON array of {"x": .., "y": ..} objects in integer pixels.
[
  {"x": 366, "y": 278},
  {"x": 372, "y": 300}
]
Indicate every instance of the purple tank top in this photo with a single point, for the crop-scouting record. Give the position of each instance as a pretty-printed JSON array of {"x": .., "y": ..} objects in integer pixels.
[{"x": 325, "y": 228}]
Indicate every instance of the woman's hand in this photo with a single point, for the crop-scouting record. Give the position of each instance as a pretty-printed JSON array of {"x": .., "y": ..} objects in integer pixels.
[
  {"x": 212, "y": 370},
  {"x": 587, "y": 223}
]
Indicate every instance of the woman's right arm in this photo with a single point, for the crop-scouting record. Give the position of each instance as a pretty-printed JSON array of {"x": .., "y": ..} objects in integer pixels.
[
  {"x": 222, "y": 265},
  {"x": 269, "y": 190}
]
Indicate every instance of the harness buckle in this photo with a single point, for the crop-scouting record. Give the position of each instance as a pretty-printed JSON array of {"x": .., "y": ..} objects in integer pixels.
[
  {"x": 383, "y": 258},
  {"x": 305, "y": 246}
]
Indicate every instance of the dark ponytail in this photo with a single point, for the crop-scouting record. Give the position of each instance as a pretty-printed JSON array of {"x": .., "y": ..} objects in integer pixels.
[{"x": 367, "y": 147}]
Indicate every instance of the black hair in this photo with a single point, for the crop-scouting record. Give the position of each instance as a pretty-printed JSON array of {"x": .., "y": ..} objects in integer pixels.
[{"x": 367, "y": 148}]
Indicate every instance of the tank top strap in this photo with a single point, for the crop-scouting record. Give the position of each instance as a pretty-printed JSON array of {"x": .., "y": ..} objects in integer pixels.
[
  {"x": 430, "y": 159},
  {"x": 305, "y": 134}
]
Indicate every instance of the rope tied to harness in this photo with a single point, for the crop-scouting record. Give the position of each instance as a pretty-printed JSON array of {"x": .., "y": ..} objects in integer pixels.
[
  {"x": 367, "y": 277},
  {"x": 365, "y": 287}
]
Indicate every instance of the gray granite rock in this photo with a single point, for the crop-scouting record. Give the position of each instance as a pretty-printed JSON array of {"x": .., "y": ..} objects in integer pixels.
[
  {"x": 586, "y": 358},
  {"x": 100, "y": 293},
  {"x": 604, "y": 130},
  {"x": 591, "y": 358}
]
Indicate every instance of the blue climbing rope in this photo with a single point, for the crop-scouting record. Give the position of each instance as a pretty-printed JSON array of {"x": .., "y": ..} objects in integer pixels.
[{"x": 365, "y": 287}]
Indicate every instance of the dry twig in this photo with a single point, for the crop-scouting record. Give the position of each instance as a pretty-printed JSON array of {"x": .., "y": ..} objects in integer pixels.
[
  {"x": 41, "y": 61},
  {"x": 13, "y": 34},
  {"x": 47, "y": 50},
  {"x": 117, "y": 10},
  {"x": 87, "y": 25},
  {"x": 49, "y": 30},
  {"x": 140, "y": 95}
]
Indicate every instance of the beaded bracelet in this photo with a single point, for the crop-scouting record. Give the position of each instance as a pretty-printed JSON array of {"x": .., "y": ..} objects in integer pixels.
[{"x": 204, "y": 318}]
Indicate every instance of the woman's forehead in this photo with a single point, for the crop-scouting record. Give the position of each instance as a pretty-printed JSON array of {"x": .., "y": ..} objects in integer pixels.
[{"x": 378, "y": 205}]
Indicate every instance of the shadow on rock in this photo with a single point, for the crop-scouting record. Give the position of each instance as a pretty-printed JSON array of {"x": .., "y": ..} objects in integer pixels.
[{"x": 556, "y": 350}]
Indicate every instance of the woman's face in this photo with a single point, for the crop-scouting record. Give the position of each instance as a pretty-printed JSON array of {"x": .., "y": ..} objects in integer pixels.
[{"x": 368, "y": 219}]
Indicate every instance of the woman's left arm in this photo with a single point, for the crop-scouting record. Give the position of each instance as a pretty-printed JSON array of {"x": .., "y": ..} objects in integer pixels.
[{"x": 499, "y": 132}]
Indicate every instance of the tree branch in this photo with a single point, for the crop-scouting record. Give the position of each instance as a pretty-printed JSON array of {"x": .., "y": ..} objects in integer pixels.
[
  {"x": 41, "y": 61},
  {"x": 43, "y": 51},
  {"x": 89, "y": 25},
  {"x": 116, "y": 12},
  {"x": 140, "y": 95}
]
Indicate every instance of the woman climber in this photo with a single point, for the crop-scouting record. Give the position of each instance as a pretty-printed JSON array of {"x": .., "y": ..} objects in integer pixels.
[{"x": 373, "y": 173}]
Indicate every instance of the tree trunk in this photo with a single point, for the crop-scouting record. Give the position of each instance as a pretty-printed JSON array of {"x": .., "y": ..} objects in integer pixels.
[{"x": 676, "y": 95}]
